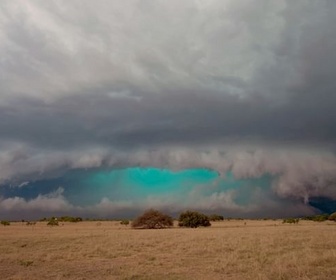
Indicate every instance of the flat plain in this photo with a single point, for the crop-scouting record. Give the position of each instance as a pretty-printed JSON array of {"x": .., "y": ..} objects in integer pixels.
[{"x": 235, "y": 249}]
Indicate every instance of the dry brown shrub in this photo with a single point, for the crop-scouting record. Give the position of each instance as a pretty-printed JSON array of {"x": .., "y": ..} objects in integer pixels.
[{"x": 152, "y": 219}]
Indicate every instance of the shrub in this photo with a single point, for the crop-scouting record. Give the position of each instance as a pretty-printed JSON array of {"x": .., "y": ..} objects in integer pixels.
[
  {"x": 52, "y": 222},
  {"x": 332, "y": 217},
  {"x": 5, "y": 223},
  {"x": 291, "y": 221},
  {"x": 26, "y": 263},
  {"x": 70, "y": 219},
  {"x": 193, "y": 219},
  {"x": 153, "y": 219},
  {"x": 124, "y": 222},
  {"x": 215, "y": 217}
]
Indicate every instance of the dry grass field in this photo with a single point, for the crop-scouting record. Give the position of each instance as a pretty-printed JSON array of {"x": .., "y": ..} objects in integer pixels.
[{"x": 227, "y": 250}]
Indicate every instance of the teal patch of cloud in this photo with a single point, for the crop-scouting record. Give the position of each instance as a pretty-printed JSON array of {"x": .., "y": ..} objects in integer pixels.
[{"x": 89, "y": 187}]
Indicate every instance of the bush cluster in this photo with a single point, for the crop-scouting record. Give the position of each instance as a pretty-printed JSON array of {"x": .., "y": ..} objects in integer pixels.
[{"x": 156, "y": 219}]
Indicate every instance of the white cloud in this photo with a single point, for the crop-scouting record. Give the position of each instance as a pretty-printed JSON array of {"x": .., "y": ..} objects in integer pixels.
[
  {"x": 142, "y": 44},
  {"x": 54, "y": 201}
]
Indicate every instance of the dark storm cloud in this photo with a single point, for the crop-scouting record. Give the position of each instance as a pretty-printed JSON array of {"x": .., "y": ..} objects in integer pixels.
[
  {"x": 264, "y": 71},
  {"x": 174, "y": 84},
  {"x": 178, "y": 118}
]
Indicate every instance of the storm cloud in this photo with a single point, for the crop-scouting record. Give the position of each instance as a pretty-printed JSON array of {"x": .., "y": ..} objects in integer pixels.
[{"x": 246, "y": 87}]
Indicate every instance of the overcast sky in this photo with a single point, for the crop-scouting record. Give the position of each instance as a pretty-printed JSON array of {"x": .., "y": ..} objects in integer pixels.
[{"x": 241, "y": 86}]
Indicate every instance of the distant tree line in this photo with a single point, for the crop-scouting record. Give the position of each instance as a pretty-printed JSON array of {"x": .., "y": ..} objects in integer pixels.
[
  {"x": 63, "y": 219},
  {"x": 315, "y": 218},
  {"x": 321, "y": 217},
  {"x": 154, "y": 219}
]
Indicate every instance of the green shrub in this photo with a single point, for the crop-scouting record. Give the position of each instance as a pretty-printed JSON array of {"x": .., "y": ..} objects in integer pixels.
[
  {"x": 215, "y": 217},
  {"x": 5, "y": 223},
  {"x": 152, "y": 219},
  {"x": 291, "y": 221},
  {"x": 26, "y": 263},
  {"x": 193, "y": 219},
  {"x": 69, "y": 219},
  {"x": 52, "y": 222},
  {"x": 124, "y": 222}
]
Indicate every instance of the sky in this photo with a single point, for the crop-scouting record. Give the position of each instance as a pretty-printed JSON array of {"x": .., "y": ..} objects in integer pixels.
[{"x": 108, "y": 108}]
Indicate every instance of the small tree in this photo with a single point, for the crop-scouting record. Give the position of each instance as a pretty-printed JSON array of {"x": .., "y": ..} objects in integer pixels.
[
  {"x": 193, "y": 219},
  {"x": 332, "y": 217},
  {"x": 152, "y": 219},
  {"x": 5, "y": 223}
]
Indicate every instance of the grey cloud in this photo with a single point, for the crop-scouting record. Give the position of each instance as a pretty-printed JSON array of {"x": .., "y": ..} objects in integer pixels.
[
  {"x": 185, "y": 118},
  {"x": 59, "y": 48},
  {"x": 187, "y": 72},
  {"x": 172, "y": 84}
]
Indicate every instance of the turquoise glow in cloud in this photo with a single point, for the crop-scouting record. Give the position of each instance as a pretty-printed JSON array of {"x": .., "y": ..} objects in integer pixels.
[
  {"x": 135, "y": 183},
  {"x": 138, "y": 185}
]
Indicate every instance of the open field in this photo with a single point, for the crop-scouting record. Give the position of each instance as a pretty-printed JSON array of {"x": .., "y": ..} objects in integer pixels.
[{"x": 227, "y": 250}]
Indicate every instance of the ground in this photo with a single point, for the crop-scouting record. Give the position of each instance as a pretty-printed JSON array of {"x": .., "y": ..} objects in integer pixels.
[{"x": 227, "y": 250}]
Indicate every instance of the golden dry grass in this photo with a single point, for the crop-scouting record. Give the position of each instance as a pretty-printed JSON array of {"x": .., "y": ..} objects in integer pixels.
[{"x": 227, "y": 250}]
